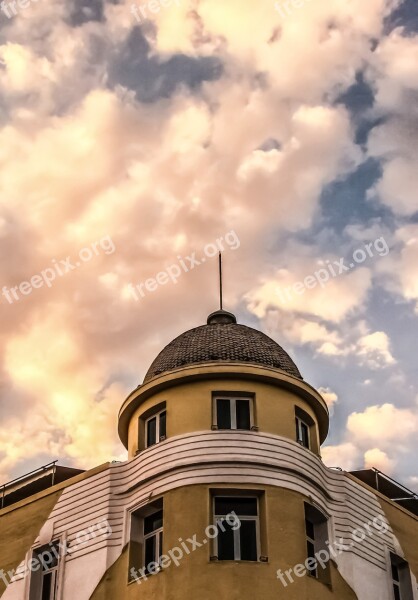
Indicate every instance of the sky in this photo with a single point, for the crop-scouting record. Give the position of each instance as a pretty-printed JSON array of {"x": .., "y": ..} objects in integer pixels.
[{"x": 137, "y": 139}]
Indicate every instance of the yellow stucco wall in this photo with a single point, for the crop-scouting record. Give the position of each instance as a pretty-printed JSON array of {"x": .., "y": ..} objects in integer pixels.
[
  {"x": 19, "y": 527},
  {"x": 405, "y": 527},
  {"x": 189, "y": 409},
  {"x": 187, "y": 512}
]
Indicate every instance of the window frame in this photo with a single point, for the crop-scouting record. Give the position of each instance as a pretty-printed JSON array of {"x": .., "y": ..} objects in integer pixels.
[
  {"x": 300, "y": 422},
  {"x": 320, "y": 522},
  {"x": 36, "y": 582},
  {"x": 158, "y": 534},
  {"x": 236, "y": 533},
  {"x": 404, "y": 583},
  {"x": 136, "y": 537},
  {"x": 158, "y": 437},
  {"x": 232, "y": 399}
]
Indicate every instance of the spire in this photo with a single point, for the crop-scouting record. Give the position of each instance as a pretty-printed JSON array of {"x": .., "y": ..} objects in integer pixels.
[
  {"x": 220, "y": 282},
  {"x": 221, "y": 316}
]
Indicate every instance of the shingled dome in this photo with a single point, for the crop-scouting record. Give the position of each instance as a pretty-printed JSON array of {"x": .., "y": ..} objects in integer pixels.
[{"x": 222, "y": 339}]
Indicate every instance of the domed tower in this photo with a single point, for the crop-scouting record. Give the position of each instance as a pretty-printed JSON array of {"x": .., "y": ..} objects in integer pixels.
[
  {"x": 228, "y": 435},
  {"x": 226, "y": 377}
]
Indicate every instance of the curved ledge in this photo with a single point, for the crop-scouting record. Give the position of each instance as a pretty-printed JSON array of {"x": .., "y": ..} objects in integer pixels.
[
  {"x": 205, "y": 449},
  {"x": 227, "y": 370}
]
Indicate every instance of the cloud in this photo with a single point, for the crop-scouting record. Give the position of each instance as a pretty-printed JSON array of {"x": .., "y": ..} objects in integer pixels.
[
  {"x": 251, "y": 147},
  {"x": 345, "y": 456},
  {"x": 383, "y": 425},
  {"x": 348, "y": 457},
  {"x": 333, "y": 301},
  {"x": 375, "y": 458},
  {"x": 330, "y": 398},
  {"x": 393, "y": 74},
  {"x": 374, "y": 350}
]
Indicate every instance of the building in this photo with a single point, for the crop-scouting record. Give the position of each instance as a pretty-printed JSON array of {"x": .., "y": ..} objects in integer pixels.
[{"x": 224, "y": 494}]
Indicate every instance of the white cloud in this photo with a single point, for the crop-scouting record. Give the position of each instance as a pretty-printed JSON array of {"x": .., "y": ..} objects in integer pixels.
[
  {"x": 374, "y": 350},
  {"x": 383, "y": 425},
  {"x": 393, "y": 74},
  {"x": 160, "y": 178},
  {"x": 330, "y": 397},
  {"x": 345, "y": 456},
  {"x": 375, "y": 458}
]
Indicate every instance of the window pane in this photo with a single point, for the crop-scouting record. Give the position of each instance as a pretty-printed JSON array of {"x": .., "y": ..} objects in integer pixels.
[
  {"x": 51, "y": 553},
  {"x": 223, "y": 411},
  {"x": 310, "y": 529},
  {"x": 163, "y": 420},
  {"x": 153, "y": 522},
  {"x": 150, "y": 548},
  {"x": 310, "y": 549},
  {"x": 152, "y": 432},
  {"x": 396, "y": 592},
  {"x": 311, "y": 554},
  {"x": 395, "y": 573},
  {"x": 305, "y": 434},
  {"x": 226, "y": 543},
  {"x": 160, "y": 553},
  {"x": 241, "y": 506},
  {"x": 248, "y": 538},
  {"x": 243, "y": 414},
  {"x": 47, "y": 586}
]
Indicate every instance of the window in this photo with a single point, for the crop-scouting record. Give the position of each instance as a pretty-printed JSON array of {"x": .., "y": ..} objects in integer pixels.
[
  {"x": 306, "y": 430},
  {"x": 44, "y": 581},
  {"x": 233, "y": 413},
  {"x": 155, "y": 428},
  {"x": 146, "y": 540},
  {"x": 232, "y": 542},
  {"x": 401, "y": 578},
  {"x": 302, "y": 433},
  {"x": 153, "y": 539},
  {"x": 316, "y": 529}
]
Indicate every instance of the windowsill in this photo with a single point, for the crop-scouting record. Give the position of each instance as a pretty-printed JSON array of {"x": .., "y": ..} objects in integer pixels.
[
  {"x": 140, "y": 450},
  {"x": 326, "y": 583},
  {"x": 144, "y": 578},
  {"x": 239, "y": 562},
  {"x": 252, "y": 428}
]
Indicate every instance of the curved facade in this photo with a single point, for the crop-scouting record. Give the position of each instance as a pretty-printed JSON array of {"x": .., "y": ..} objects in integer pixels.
[{"x": 224, "y": 495}]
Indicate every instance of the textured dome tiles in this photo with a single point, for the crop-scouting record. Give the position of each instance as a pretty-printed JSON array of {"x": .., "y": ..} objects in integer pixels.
[{"x": 222, "y": 341}]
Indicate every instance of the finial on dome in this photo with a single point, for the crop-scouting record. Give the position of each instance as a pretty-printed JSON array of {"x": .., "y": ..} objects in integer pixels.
[
  {"x": 221, "y": 317},
  {"x": 220, "y": 282}
]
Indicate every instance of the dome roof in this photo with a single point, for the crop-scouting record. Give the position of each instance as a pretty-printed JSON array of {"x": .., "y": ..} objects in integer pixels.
[{"x": 222, "y": 339}]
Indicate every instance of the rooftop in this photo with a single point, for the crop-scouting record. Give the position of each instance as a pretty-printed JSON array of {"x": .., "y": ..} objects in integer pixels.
[
  {"x": 222, "y": 339},
  {"x": 34, "y": 482}
]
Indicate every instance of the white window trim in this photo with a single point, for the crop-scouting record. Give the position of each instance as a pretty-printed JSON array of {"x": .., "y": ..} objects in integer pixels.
[
  {"x": 313, "y": 573},
  {"x": 237, "y": 540},
  {"x": 232, "y": 407},
  {"x": 157, "y": 428},
  {"x": 60, "y": 539},
  {"x": 390, "y": 578},
  {"x": 129, "y": 515},
  {"x": 299, "y": 422},
  {"x": 156, "y": 534}
]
